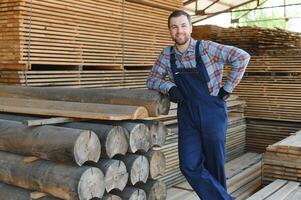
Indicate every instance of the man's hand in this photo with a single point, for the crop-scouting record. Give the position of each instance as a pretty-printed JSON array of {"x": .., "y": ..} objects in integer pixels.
[
  {"x": 175, "y": 95},
  {"x": 223, "y": 94}
]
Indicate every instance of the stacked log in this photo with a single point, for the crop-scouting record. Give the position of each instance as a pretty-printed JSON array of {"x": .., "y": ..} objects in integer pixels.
[
  {"x": 235, "y": 146},
  {"x": 279, "y": 189},
  {"x": 128, "y": 166},
  {"x": 282, "y": 160}
]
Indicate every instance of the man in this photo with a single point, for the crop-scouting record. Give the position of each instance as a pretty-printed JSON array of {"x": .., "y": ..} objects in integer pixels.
[{"x": 195, "y": 70}]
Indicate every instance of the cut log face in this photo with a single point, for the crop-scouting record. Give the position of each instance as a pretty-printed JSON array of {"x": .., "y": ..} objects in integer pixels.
[
  {"x": 62, "y": 181},
  {"x": 50, "y": 142},
  {"x": 131, "y": 193},
  {"x": 137, "y": 166},
  {"x": 158, "y": 132},
  {"x": 157, "y": 163},
  {"x": 113, "y": 138},
  {"x": 115, "y": 173},
  {"x": 111, "y": 197},
  {"x": 155, "y": 102},
  {"x": 155, "y": 190}
]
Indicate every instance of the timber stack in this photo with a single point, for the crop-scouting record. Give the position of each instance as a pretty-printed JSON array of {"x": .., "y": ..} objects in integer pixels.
[
  {"x": 271, "y": 85},
  {"x": 108, "y": 158}
]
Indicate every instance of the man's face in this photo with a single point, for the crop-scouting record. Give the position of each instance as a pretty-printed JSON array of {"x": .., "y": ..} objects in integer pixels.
[{"x": 180, "y": 29}]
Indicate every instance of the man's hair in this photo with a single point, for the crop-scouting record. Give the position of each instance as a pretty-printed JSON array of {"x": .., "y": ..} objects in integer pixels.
[{"x": 178, "y": 13}]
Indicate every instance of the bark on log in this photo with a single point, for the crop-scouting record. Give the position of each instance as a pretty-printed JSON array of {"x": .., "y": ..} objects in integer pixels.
[
  {"x": 50, "y": 142},
  {"x": 72, "y": 109},
  {"x": 158, "y": 132},
  {"x": 111, "y": 197},
  {"x": 113, "y": 139},
  {"x": 157, "y": 163},
  {"x": 10, "y": 192},
  {"x": 131, "y": 193},
  {"x": 155, "y": 102},
  {"x": 138, "y": 135},
  {"x": 137, "y": 167},
  {"x": 155, "y": 190},
  {"x": 115, "y": 173},
  {"x": 62, "y": 181}
]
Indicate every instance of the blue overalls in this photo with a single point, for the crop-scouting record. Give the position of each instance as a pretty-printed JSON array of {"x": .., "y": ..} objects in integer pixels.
[{"x": 202, "y": 121}]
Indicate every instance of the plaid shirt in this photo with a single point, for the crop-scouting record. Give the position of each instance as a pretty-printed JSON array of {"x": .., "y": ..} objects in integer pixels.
[{"x": 213, "y": 55}]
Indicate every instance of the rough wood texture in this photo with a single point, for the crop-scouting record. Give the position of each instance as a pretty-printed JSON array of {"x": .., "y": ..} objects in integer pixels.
[
  {"x": 111, "y": 197},
  {"x": 131, "y": 193},
  {"x": 155, "y": 190},
  {"x": 137, "y": 167},
  {"x": 157, "y": 163},
  {"x": 72, "y": 109},
  {"x": 115, "y": 173},
  {"x": 154, "y": 102},
  {"x": 158, "y": 132},
  {"x": 50, "y": 142},
  {"x": 62, "y": 181},
  {"x": 16, "y": 193}
]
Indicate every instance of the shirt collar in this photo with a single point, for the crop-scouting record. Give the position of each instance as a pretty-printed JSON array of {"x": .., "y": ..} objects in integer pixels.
[{"x": 191, "y": 47}]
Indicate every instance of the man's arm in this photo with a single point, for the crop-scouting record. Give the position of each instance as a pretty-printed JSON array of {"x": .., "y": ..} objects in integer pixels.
[
  {"x": 229, "y": 54},
  {"x": 156, "y": 79}
]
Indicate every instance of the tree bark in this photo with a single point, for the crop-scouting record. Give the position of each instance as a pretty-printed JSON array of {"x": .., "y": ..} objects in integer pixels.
[
  {"x": 137, "y": 167},
  {"x": 50, "y": 142},
  {"x": 155, "y": 102},
  {"x": 62, "y": 181},
  {"x": 131, "y": 193},
  {"x": 155, "y": 190},
  {"x": 157, "y": 163},
  {"x": 115, "y": 173}
]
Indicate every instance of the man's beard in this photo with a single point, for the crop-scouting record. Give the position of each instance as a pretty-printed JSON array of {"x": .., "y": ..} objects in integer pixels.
[{"x": 182, "y": 42}]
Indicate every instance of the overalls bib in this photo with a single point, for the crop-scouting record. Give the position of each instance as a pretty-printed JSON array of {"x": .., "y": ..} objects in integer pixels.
[{"x": 202, "y": 121}]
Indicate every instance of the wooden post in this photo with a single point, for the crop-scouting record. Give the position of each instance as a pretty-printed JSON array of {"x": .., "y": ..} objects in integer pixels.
[
  {"x": 137, "y": 167},
  {"x": 157, "y": 163},
  {"x": 115, "y": 173},
  {"x": 50, "y": 142},
  {"x": 155, "y": 190},
  {"x": 62, "y": 181},
  {"x": 155, "y": 102}
]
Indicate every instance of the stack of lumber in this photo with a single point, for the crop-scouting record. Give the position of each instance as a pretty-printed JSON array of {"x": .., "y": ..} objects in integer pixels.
[
  {"x": 76, "y": 78},
  {"x": 265, "y": 132},
  {"x": 235, "y": 146},
  {"x": 103, "y": 159},
  {"x": 282, "y": 160},
  {"x": 56, "y": 34},
  {"x": 243, "y": 178},
  {"x": 279, "y": 189},
  {"x": 255, "y": 40}
]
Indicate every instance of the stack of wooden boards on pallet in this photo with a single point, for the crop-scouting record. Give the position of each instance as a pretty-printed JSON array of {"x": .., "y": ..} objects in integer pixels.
[
  {"x": 80, "y": 158},
  {"x": 243, "y": 178},
  {"x": 271, "y": 85},
  {"x": 235, "y": 146}
]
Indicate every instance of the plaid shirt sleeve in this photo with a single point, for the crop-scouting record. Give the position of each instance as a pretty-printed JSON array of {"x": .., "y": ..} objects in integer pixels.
[
  {"x": 156, "y": 79},
  {"x": 229, "y": 54}
]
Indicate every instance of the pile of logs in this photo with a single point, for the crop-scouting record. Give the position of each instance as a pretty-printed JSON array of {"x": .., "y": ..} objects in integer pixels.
[
  {"x": 282, "y": 160},
  {"x": 279, "y": 189},
  {"x": 37, "y": 34},
  {"x": 81, "y": 160}
]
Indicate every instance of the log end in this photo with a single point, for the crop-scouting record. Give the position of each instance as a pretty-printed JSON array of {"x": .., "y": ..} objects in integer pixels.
[
  {"x": 87, "y": 148},
  {"x": 117, "y": 142},
  {"x": 141, "y": 113},
  {"x": 116, "y": 176},
  {"x": 140, "y": 170},
  {"x": 157, "y": 164},
  {"x": 91, "y": 184},
  {"x": 139, "y": 138},
  {"x": 158, "y": 132}
]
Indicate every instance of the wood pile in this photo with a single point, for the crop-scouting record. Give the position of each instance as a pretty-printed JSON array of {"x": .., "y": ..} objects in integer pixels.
[
  {"x": 279, "y": 189},
  {"x": 254, "y": 40},
  {"x": 263, "y": 132},
  {"x": 235, "y": 146},
  {"x": 65, "y": 33},
  {"x": 243, "y": 178},
  {"x": 282, "y": 160},
  {"x": 103, "y": 159}
]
